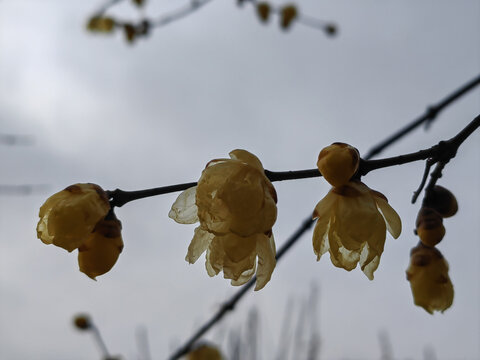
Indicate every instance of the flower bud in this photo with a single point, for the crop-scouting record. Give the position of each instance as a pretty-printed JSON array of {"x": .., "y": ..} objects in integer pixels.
[
  {"x": 287, "y": 14},
  {"x": 101, "y": 249},
  {"x": 430, "y": 227},
  {"x": 443, "y": 201},
  {"x": 427, "y": 273},
  {"x": 101, "y": 24},
  {"x": 338, "y": 163},
  {"x": 82, "y": 322},
  {"x": 263, "y": 11}
]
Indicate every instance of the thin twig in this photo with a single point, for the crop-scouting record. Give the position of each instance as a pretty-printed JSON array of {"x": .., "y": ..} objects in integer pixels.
[
  {"x": 443, "y": 151},
  {"x": 430, "y": 114},
  {"x": 428, "y": 165}
]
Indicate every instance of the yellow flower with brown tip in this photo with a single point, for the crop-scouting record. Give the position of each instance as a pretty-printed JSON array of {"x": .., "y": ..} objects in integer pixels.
[
  {"x": 431, "y": 286},
  {"x": 235, "y": 204},
  {"x": 352, "y": 224},
  {"x": 100, "y": 251},
  {"x": 68, "y": 217}
]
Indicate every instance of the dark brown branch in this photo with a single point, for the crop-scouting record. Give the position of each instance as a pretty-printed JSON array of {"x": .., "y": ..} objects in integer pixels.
[
  {"x": 428, "y": 166},
  {"x": 427, "y": 118},
  {"x": 443, "y": 151},
  {"x": 229, "y": 305}
]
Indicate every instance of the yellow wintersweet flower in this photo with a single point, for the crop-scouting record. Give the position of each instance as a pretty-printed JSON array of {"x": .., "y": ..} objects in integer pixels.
[
  {"x": 338, "y": 163},
  {"x": 352, "y": 224},
  {"x": 101, "y": 249},
  {"x": 235, "y": 204},
  {"x": 431, "y": 286},
  {"x": 68, "y": 217},
  {"x": 205, "y": 352}
]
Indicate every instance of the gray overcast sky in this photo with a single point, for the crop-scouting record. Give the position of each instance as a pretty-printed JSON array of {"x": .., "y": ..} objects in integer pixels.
[{"x": 155, "y": 113}]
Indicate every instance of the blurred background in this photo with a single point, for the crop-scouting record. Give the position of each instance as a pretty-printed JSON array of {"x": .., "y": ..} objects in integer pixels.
[{"x": 92, "y": 108}]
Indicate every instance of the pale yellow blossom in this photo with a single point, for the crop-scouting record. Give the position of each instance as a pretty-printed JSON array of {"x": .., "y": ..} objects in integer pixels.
[
  {"x": 351, "y": 226},
  {"x": 431, "y": 286},
  {"x": 235, "y": 204}
]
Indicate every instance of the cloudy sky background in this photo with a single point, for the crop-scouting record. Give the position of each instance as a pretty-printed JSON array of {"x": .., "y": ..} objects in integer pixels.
[{"x": 155, "y": 113}]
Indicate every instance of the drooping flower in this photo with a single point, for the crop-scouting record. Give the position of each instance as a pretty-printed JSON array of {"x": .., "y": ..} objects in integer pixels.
[
  {"x": 205, "y": 352},
  {"x": 431, "y": 286},
  {"x": 100, "y": 251},
  {"x": 68, "y": 217},
  {"x": 235, "y": 204},
  {"x": 80, "y": 217},
  {"x": 351, "y": 226},
  {"x": 338, "y": 163}
]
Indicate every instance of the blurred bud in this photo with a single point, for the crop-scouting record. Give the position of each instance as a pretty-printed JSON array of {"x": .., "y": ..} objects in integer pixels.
[
  {"x": 429, "y": 226},
  {"x": 101, "y": 24},
  {"x": 102, "y": 248},
  {"x": 130, "y": 32},
  {"x": 205, "y": 352},
  {"x": 331, "y": 30},
  {"x": 288, "y": 13},
  {"x": 338, "y": 163},
  {"x": 82, "y": 322},
  {"x": 431, "y": 286},
  {"x": 240, "y": 2},
  {"x": 263, "y": 11},
  {"x": 144, "y": 28},
  {"x": 442, "y": 200},
  {"x": 139, "y": 3}
]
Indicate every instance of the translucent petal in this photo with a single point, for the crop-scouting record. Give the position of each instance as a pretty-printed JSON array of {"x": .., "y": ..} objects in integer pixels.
[
  {"x": 245, "y": 277},
  {"x": 214, "y": 257},
  {"x": 184, "y": 210},
  {"x": 200, "y": 242},
  {"x": 266, "y": 260},
  {"x": 393, "y": 221},
  {"x": 237, "y": 247},
  {"x": 320, "y": 236}
]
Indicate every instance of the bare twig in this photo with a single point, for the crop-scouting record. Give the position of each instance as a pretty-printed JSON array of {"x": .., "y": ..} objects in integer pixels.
[{"x": 430, "y": 114}]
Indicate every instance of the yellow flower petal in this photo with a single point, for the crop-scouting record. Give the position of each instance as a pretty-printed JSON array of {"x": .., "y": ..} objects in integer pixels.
[
  {"x": 266, "y": 260},
  {"x": 184, "y": 210},
  {"x": 69, "y": 216},
  {"x": 101, "y": 249},
  {"x": 200, "y": 242},
  {"x": 247, "y": 158},
  {"x": 393, "y": 221}
]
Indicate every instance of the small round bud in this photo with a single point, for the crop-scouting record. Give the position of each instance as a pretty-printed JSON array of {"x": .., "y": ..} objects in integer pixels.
[
  {"x": 338, "y": 163},
  {"x": 443, "y": 201},
  {"x": 82, "y": 322},
  {"x": 430, "y": 227}
]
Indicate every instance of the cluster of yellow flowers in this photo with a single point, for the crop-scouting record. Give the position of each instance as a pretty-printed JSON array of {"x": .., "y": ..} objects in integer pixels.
[
  {"x": 80, "y": 217},
  {"x": 235, "y": 204},
  {"x": 431, "y": 286}
]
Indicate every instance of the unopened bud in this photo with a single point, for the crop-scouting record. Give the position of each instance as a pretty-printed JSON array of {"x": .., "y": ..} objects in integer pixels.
[
  {"x": 443, "y": 201},
  {"x": 287, "y": 14},
  {"x": 338, "y": 163},
  {"x": 430, "y": 227},
  {"x": 263, "y": 11},
  {"x": 82, "y": 322}
]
